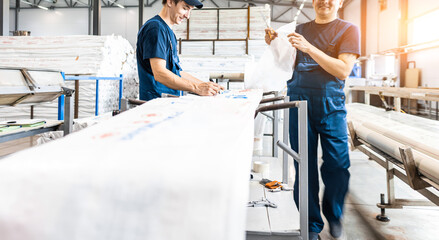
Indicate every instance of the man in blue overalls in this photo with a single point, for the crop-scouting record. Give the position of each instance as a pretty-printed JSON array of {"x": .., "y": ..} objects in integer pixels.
[
  {"x": 327, "y": 49},
  {"x": 157, "y": 58}
]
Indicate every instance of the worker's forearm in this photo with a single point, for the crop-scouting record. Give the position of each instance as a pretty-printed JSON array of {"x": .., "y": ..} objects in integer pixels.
[
  {"x": 189, "y": 77},
  {"x": 333, "y": 66},
  {"x": 171, "y": 80}
]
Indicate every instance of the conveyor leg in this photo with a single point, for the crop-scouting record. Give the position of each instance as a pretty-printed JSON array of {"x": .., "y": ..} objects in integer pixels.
[
  {"x": 68, "y": 115},
  {"x": 123, "y": 104},
  {"x": 382, "y": 217},
  {"x": 390, "y": 177}
]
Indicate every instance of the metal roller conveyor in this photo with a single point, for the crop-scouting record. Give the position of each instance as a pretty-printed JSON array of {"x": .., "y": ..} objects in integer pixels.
[
  {"x": 18, "y": 86},
  {"x": 400, "y": 140}
]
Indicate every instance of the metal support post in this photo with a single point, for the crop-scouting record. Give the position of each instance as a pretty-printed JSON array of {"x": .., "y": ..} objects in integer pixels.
[
  {"x": 390, "y": 177},
  {"x": 61, "y": 107},
  {"x": 275, "y": 130},
  {"x": 140, "y": 14},
  {"x": 366, "y": 98},
  {"x": 124, "y": 105},
  {"x": 61, "y": 101},
  {"x": 429, "y": 109},
  {"x": 437, "y": 117},
  {"x": 17, "y": 12},
  {"x": 76, "y": 109},
  {"x": 120, "y": 90},
  {"x": 4, "y": 17},
  {"x": 97, "y": 99},
  {"x": 96, "y": 17},
  {"x": 397, "y": 104},
  {"x": 285, "y": 141},
  {"x": 68, "y": 115},
  {"x": 90, "y": 17},
  {"x": 382, "y": 216},
  {"x": 303, "y": 168}
]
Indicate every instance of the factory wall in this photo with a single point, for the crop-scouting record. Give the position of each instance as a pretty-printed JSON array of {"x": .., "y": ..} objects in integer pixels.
[
  {"x": 382, "y": 33},
  {"x": 72, "y": 21},
  {"x": 382, "y": 26},
  {"x": 352, "y": 12},
  {"x": 426, "y": 60},
  {"x": 124, "y": 22}
]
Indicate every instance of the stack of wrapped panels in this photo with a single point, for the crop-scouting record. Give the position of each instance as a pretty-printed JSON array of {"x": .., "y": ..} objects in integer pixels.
[
  {"x": 224, "y": 24},
  {"x": 102, "y": 56},
  {"x": 204, "y": 57}
]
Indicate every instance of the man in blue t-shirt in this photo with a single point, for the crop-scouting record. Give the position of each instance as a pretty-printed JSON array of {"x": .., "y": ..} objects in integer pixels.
[
  {"x": 326, "y": 52},
  {"x": 157, "y": 58}
]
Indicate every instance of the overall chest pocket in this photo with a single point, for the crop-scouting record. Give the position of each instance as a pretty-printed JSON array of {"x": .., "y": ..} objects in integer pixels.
[{"x": 175, "y": 64}]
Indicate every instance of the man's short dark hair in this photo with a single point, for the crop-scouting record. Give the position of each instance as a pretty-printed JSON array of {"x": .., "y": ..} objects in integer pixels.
[{"x": 175, "y": 1}]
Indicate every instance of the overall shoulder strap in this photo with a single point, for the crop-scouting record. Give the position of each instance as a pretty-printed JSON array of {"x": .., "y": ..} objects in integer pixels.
[
  {"x": 331, "y": 46},
  {"x": 339, "y": 34}
]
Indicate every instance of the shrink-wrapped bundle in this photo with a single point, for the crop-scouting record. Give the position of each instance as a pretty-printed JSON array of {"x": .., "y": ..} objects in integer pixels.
[{"x": 101, "y": 56}]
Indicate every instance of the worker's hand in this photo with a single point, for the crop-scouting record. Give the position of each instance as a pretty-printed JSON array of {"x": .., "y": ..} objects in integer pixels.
[
  {"x": 270, "y": 35},
  {"x": 208, "y": 89},
  {"x": 298, "y": 41}
]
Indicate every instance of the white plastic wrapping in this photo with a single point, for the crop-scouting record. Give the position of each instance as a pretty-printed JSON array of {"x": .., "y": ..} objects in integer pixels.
[{"x": 276, "y": 65}]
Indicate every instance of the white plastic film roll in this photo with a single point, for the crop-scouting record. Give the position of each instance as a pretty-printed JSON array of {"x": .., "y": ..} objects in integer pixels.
[{"x": 262, "y": 168}]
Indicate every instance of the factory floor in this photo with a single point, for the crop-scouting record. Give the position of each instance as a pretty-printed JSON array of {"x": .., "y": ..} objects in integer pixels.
[{"x": 366, "y": 183}]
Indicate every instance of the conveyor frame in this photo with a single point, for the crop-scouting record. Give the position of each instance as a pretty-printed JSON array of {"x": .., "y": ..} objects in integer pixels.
[
  {"x": 65, "y": 110},
  {"x": 300, "y": 157},
  {"x": 405, "y": 171}
]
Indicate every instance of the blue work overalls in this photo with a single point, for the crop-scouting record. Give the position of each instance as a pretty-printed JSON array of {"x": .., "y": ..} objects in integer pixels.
[
  {"x": 327, "y": 120},
  {"x": 156, "y": 40}
]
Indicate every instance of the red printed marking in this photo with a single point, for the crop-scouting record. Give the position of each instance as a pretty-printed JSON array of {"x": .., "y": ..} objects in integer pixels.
[
  {"x": 106, "y": 135},
  {"x": 141, "y": 121}
]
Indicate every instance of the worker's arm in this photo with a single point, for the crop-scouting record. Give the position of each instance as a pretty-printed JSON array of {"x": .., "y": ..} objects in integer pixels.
[
  {"x": 189, "y": 77},
  {"x": 339, "y": 67},
  {"x": 171, "y": 80}
]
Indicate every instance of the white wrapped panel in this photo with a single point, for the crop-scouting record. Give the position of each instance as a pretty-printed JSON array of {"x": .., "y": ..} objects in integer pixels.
[
  {"x": 197, "y": 48},
  {"x": 232, "y": 64},
  {"x": 230, "y": 48},
  {"x": 256, "y": 48},
  {"x": 259, "y": 18},
  {"x": 159, "y": 171},
  {"x": 202, "y": 25},
  {"x": 233, "y": 24}
]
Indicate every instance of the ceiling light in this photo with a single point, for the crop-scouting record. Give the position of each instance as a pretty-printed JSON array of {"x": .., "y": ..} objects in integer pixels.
[{"x": 35, "y": 5}]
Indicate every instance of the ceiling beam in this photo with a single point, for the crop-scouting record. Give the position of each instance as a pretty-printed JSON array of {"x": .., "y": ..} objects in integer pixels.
[
  {"x": 304, "y": 14},
  {"x": 280, "y": 15},
  {"x": 278, "y": 3}
]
